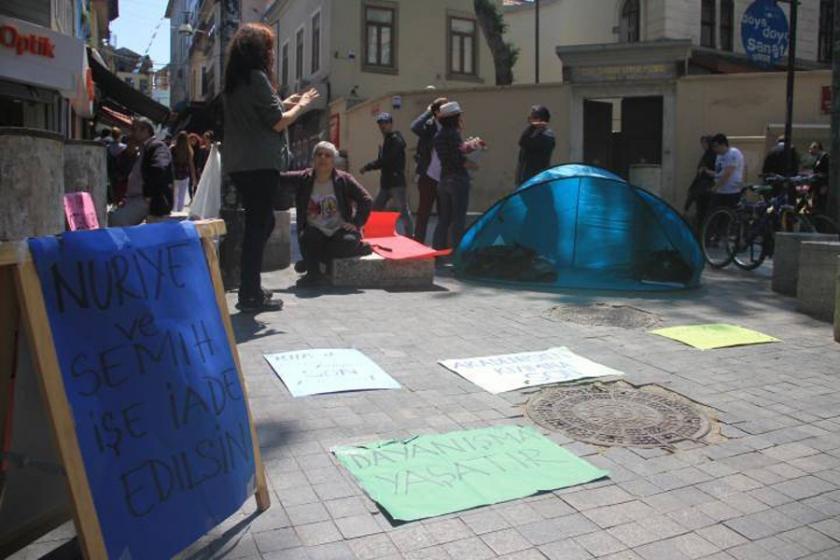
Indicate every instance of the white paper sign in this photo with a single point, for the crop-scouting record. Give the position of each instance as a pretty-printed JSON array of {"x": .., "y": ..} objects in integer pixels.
[
  {"x": 497, "y": 374},
  {"x": 331, "y": 370}
]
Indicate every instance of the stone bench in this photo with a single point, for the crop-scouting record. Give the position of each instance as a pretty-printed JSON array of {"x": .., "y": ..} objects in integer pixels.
[
  {"x": 816, "y": 289},
  {"x": 278, "y": 249},
  {"x": 373, "y": 271},
  {"x": 786, "y": 259}
]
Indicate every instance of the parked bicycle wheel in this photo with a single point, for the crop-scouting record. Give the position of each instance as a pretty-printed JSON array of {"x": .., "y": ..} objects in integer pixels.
[
  {"x": 793, "y": 222},
  {"x": 749, "y": 241},
  {"x": 824, "y": 224},
  {"x": 715, "y": 237}
]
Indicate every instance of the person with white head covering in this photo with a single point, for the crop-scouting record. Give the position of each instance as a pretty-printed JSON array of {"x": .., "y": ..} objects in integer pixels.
[{"x": 454, "y": 186}]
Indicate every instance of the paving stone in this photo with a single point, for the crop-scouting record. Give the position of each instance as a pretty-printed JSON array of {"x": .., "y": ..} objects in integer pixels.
[
  {"x": 811, "y": 539},
  {"x": 331, "y": 551},
  {"x": 829, "y": 527},
  {"x": 318, "y": 533},
  {"x": 357, "y": 526},
  {"x": 345, "y": 507},
  {"x": 565, "y": 550},
  {"x": 506, "y": 541},
  {"x": 610, "y": 516},
  {"x": 530, "y": 554},
  {"x": 783, "y": 550},
  {"x": 448, "y": 530},
  {"x": 307, "y": 513},
  {"x": 430, "y": 553},
  {"x": 519, "y": 513},
  {"x": 551, "y": 506},
  {"x": 691, "y": 518},
  {"x": 548, "y": 530},
  {"x": 694, "y": 546},
  {"x": 590, "y": 499},
  {"x": 278, "y": 539},
  {"x": 412, "y": 537},
  {"x": 372, "y": 547},
  {"x": 661, "y": 550},
  {"x": 485, "y": 521},
  {"x": 721, "y": 536},
  {"x": 600, "y": 543},
  {"x": 469, "y": 549}
]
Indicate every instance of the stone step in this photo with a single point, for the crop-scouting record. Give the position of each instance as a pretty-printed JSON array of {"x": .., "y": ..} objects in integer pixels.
[{"x": 816, "y": 289}]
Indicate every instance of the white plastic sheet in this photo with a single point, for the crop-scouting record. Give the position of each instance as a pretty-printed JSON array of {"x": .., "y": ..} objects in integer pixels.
[{"x": 208, "y": 194}]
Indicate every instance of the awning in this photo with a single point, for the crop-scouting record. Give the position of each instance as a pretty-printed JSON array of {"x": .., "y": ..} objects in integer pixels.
[
  {"x": 124, "y": 95},
  {"x": 114, "y": 116}
]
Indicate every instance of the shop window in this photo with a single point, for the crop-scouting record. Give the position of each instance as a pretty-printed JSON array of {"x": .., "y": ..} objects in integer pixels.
[
  {"x": 284, "y": 65},
  {"x": 707, "y": 23},
  {"x": 299, "y": 55},
  {"x": 825, "y": 45},
  {"x": 463, "y": 38},
  {"x": 380, "y": 37},
  {"x": 316, "y": 42},
  {"x": 727, "y": 25},
  {"x": 630, "y": 21}
]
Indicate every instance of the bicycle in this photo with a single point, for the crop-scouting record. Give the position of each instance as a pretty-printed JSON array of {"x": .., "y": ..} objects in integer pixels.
[
  {"x": 806, "y": 205},
  {"x": 745, "y": 235}
]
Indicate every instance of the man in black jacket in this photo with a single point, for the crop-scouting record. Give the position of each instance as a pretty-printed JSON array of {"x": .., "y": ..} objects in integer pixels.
[
  {"x": 536, "y": 145},
  {"x": 391, "y": 164},
  {"x": 428, "y": 165},
  {"x": 149, "y": 192}
]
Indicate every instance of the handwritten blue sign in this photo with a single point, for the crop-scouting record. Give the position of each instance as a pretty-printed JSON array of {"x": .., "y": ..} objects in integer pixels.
[
  {"x": 151, "y": 381},
  {"x": 765, "y": 32}
]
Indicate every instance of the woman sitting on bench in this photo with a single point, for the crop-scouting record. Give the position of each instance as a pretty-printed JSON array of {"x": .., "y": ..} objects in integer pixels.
[{"x": 332, "y": 207}]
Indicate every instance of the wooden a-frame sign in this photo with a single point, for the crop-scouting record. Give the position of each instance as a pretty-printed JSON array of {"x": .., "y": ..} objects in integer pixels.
[{"x": 17, "y": 266}]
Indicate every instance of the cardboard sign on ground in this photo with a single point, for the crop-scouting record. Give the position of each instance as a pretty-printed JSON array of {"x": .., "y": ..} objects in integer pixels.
[
  {"x": 432, "y": 475},
  {"x": 710, "y": 337},
  {"x": 507, "y": 372},
  {"x": 330, "y": 370}
]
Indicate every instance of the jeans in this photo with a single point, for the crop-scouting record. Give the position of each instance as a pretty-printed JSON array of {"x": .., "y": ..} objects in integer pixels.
[
  {"x": 256, "y": 189},
  {"x": 182, "y": 187},
  {"x": 453, "y": 201},
  {"x": 428, "y": 196},
  {"x": 398, "y": 194},
  {"x": 317, "y": 248}
]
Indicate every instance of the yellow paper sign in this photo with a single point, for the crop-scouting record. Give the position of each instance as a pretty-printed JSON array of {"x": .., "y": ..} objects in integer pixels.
[{"x": 709, "y": 337}]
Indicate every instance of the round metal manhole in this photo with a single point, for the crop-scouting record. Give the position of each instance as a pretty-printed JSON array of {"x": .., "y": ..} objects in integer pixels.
[
  {"x": 617, "y": 416},
  {"x": 605, "y": 315}
]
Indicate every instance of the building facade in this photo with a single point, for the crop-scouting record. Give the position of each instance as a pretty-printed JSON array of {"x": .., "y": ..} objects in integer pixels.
[
  {"x": 711, "y": 26},
  {"x": 353, "y": 50},
  {"x": 48, "y": 85}
]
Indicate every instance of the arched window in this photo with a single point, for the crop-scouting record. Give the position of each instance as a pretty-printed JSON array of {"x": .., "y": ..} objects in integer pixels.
[
  {"x": 707, "y": 23},
  {"x": 727, "y": 25},
  {"x": 826, "y": 37},
  {"x": 630, "y": 18}
]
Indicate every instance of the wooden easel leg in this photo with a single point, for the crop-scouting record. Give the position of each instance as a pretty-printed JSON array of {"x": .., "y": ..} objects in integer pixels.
[{"x": 263, "y": 499}]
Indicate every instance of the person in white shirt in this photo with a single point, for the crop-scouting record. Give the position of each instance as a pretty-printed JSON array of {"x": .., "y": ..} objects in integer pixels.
[{"x": 728, "y": 173}]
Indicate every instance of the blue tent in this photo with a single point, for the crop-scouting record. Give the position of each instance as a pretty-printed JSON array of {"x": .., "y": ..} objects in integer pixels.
[{"x": 576, "y": 226}]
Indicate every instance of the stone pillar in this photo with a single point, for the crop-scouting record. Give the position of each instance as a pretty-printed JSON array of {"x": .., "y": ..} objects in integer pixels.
[
  {"x": 786, "y": 259},
  {"x": 86, "y": 170},
  {"x": 31, "y": 183},
  {"x": 816, "y": 291},
  {"x": 837, "y": 303}
]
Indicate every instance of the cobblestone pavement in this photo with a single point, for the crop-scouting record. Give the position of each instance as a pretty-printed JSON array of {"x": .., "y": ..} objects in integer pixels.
[{"x": 770, "y": 489}]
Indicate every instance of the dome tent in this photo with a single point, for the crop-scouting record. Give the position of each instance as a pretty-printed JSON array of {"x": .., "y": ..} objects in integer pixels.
[{"x": 577, "y": 226}]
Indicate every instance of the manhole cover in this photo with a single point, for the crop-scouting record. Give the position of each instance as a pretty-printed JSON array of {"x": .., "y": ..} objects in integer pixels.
[
  {"x": 618, "y": 416},
  {"x": 605, "y": 315}
]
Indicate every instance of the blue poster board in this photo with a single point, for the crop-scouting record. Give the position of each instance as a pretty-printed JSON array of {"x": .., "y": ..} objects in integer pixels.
[
  {"x": 152, "y": 383},
  {"x": 765, "y": 32}
]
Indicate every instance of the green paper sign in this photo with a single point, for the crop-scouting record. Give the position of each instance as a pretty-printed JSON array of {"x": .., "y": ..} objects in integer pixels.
[
  {"x": 437, "y": 474},
  {"x": 709, "y": 337}
]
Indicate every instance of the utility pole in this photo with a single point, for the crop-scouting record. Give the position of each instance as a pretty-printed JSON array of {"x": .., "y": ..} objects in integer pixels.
[
  {"x": 834, "y": 179},
  {"x": 536, "y": 41},
  {"x": 791, "y": 78}
]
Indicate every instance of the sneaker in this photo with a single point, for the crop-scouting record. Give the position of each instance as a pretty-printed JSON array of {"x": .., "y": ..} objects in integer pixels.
[
  {"x": 259, "y": 305},
  {"x": 300, "y": 267},
  {"x": 267, "y": 295}
]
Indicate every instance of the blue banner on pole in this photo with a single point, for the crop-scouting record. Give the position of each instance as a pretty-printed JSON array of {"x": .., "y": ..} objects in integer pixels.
[
  {"x": 765, "y": 32},
  {"x": 151, "y": 381}
]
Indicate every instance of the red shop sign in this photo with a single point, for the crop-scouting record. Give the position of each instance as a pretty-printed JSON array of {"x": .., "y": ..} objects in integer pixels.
[
  {"x": 825, "y": 100},
  {"x": 38, "y": 45}
]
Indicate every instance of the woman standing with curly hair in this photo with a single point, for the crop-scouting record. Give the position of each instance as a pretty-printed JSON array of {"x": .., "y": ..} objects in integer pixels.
[{"x": 254, "y": 149}]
